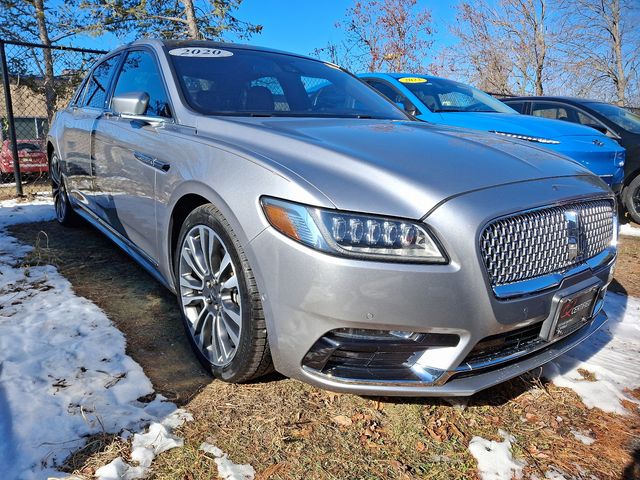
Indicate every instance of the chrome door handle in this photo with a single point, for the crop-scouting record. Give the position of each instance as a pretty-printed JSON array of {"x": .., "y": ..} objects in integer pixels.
[{"x": 152, "y": 162}]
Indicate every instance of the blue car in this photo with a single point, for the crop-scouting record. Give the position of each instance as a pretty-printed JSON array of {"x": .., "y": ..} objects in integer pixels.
[{"x": 442, "y": 101}]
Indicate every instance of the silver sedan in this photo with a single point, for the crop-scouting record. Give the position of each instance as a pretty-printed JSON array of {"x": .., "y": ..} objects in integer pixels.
[{"x": 307, "y": 224}]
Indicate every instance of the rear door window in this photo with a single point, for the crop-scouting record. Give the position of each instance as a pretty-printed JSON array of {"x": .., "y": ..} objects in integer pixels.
[
  {"x": 97, "y": 87},
  {"x": 550, "y": 110},
  {"x": 519, "y": 107}
]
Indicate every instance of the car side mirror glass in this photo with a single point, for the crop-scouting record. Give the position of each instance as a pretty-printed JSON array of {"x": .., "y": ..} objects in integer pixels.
[
  {"x": 408, "y": 107},
  {"x": 132, "y": 103}
]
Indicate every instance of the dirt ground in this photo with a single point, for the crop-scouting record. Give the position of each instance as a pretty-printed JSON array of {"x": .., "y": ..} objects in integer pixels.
[{"x": 290, "y": 430}]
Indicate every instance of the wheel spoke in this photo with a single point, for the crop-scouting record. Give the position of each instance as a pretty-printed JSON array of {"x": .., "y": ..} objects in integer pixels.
[
  {"x": 206, "y": 245},
  {"x": 205, "y": 336},
  {"x": 226, "y": 350},
  {"x": 215, "y": 340},
  {"x": 199, "y": 322},
  {"x": 232, "y": 328},
  {"x": 191, "y": 283},
  {"x": 224, "y": 264},
  {"x": 188, "y": 257},
  {"x": 231, "y": 313},
  {"x": 231, "y": 283},
  {"x": 188, "y": 300},
  {"x": 198, "y": 257}
]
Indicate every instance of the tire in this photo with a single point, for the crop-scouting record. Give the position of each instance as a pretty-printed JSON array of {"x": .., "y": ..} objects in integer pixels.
[
  {"x": 631, "y": 199},
  {"x": 64, "y": 211},
  {"x": 219, "y": 300}
]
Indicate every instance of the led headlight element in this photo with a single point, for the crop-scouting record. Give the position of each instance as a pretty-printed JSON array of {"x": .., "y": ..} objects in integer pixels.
[
  {"x": 353, "y": 234},
  {"x": 528, "y": 138}
]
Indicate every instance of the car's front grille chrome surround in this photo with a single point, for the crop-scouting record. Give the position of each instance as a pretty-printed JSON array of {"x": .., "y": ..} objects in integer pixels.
[{"x": 547, "y": 240}]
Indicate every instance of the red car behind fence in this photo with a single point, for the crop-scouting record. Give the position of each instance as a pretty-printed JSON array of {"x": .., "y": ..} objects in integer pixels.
[{"x": 31, "y": 156}]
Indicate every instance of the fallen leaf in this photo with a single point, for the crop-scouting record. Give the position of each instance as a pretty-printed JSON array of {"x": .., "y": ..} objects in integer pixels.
[{"x": 342, "y": 420}]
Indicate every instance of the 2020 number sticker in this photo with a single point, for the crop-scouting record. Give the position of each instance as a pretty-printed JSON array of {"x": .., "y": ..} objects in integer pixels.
[{"x": 200, "y": 52}]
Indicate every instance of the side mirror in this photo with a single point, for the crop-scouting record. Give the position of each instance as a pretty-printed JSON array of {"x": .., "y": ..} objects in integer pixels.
[
  {"x": 132, "y": 103},
  {"x": 408, "y": 107}
]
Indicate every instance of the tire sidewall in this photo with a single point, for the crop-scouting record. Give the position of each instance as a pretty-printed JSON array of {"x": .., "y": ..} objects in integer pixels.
[
  {"x": 68, "y": 218},
  {"x": 628, "y": 198},
  {"x": 211, "y": 218}
]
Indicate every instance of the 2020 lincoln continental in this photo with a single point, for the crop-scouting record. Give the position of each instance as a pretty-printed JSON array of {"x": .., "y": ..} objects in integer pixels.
[{"x": 307, "y": 224}]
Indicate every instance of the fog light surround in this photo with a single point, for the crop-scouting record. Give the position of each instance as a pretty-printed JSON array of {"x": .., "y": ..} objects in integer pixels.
[{"x": 369, "y": 355}]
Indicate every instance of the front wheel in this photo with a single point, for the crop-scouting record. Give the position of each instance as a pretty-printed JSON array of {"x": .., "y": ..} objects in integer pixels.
[
  {"x": 631, "y": 199},
  {"x": 64, "y": 211},
  {"x": 219, "y": 299}
]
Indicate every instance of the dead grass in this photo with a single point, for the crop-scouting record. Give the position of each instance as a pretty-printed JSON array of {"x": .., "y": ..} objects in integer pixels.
[
  {"x": 30, "y": 188},
  {"x": 290, "y": 430}
]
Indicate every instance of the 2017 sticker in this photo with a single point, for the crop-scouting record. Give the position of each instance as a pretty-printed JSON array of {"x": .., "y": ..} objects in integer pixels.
[
  {"x": 200, "y": 52},
  {"x": 412, "y": 80}
]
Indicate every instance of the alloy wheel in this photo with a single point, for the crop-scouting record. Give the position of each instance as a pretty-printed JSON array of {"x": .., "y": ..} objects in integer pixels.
[
  {"x": 635, "y": 200},
  {"x": 57, "y": 187},
  {"x": 210, "y": 294}
]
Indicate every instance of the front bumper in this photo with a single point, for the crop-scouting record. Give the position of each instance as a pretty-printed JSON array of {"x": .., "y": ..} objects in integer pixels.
[{"x": 307, "y": 294}]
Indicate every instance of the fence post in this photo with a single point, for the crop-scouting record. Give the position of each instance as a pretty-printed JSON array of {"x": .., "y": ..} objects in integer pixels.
[{"x": 10, "y": 119}]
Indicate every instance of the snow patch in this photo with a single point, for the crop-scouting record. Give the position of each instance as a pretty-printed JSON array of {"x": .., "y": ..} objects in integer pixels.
[
  {"x": 586, "y": 439},
  {"x": 629, "y": 230},
  {"x": 64, "y": 373},
  {"x": 495, "y": 460},
  {"x": 611, "y": 354},
  {"x": 227, "y": 470}
]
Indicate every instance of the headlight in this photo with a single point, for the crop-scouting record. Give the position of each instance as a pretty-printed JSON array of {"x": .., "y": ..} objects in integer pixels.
[
  {"x": 528, "y": 138},
  {"x": 353, "y": 234}
]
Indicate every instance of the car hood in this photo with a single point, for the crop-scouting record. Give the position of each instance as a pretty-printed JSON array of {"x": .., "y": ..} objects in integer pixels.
[
  {"x": 517, "y": 123},
  {"x": 396, "y": 168}
]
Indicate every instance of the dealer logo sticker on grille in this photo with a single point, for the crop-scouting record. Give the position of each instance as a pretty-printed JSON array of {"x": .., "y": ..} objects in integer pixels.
[{"x": 573, "y": 234}]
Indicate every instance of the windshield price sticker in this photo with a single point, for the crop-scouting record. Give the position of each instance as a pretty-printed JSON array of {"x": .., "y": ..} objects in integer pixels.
[
  {"x": 412, "y": 80},
  {"x": 200, "y": 52}
]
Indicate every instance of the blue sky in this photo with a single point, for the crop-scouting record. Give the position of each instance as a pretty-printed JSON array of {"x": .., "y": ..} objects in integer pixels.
[{"x": 300, "y": 26}]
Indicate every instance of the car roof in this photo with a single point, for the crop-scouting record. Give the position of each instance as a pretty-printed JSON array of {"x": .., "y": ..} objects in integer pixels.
[
  {"x": 159, "y": 43},
  {"x": 399, "y": 75},
  {"x": 577, "y": 100}
]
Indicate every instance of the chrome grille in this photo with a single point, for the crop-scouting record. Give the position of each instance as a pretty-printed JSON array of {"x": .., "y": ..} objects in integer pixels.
[{"x": 536, "y": 243}]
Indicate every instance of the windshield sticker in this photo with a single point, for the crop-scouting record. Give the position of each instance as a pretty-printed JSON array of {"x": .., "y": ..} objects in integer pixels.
[
  {"x": 200, "y": 52},
  {"x": 412, "y": 80}
]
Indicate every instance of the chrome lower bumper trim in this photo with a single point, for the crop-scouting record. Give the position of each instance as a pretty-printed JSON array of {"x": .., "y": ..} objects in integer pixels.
[
  {"x": 498, "y": 370},
  {"x": 539, "y": 284}
]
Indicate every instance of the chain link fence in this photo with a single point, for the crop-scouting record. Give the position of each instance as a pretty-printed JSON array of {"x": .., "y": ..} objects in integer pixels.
[{"x": 36, "y": 81}]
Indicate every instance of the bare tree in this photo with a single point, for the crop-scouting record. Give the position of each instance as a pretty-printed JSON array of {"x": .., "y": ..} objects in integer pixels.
[
  {"x": 603, "y": 47},
  {"x": 481, "y": 55},
  {"x": 196, "y": 19},
  {"x": 28, "y": 20},
  {"x": 394, "y": 35},
  {"x": 505, "y": 46}
]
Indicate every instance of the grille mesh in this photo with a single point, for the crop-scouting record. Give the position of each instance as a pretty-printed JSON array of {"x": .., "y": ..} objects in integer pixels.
[{"x": 536, "y": 243}]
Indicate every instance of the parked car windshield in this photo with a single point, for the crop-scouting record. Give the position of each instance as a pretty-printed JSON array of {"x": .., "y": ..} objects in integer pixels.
[
  {"x": 620, "y": 116},
  {"x": 440, "y": 95},
  {"x": 256, "y": 83}
]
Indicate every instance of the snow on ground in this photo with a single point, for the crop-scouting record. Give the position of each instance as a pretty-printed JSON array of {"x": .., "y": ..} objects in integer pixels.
[
  {"x": 227, "y": 470},
  {"x": 630, "y": 230},
  {"x": 611, "y": 354},
  {"x": 64, "y": 373},
  {"x": 495, "y": 460}
]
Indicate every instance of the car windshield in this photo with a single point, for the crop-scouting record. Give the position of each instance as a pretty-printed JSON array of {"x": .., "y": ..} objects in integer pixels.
[
  {"x": 620, "y": 116},
  {"x": 440, "y": 95},
  {"x": 243, "y": 82}
]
